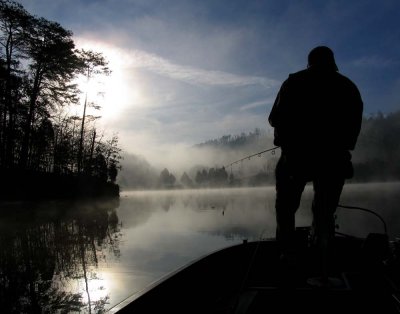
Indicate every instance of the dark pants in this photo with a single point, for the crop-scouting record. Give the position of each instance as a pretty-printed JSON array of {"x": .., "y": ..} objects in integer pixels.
[{"x": 290, "y": 185}]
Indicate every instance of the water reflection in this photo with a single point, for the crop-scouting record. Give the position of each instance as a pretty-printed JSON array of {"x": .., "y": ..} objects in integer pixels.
[
  {"x": 229, "y": 213},
  {"x": 50, "y": 252}
]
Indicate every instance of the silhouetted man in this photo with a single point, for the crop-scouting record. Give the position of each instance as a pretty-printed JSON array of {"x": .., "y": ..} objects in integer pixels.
[{"x": 316, "y": 118}]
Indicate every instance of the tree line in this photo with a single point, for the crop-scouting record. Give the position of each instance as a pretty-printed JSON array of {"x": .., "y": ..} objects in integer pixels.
[
  {"x": 378, "y": 151},
  {"x": 233, "y": 141},
  {"x": 39, "y": 68},
  {"x": 212, "y": 177}
]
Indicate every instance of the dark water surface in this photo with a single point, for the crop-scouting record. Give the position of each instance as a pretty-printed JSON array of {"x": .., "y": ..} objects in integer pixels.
[{"x": 88, "y": 256}]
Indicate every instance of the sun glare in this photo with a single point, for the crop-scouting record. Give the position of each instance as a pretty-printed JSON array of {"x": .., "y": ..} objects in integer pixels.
[{"x": 113, "y": 93}]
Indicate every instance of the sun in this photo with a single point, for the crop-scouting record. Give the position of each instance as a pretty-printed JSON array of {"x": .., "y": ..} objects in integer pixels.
[
  {"x": 118, "y": 94},
  {"x": 112, "y": 93}
]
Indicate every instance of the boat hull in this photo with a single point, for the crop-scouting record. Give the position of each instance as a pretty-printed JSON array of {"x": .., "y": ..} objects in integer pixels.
[{"x": 252, "y": 278}]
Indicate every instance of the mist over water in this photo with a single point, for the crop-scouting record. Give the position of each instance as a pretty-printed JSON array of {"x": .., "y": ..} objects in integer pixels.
[{"x": 77, "y": 253}]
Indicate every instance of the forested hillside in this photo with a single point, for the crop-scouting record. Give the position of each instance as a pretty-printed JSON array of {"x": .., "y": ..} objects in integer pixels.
[{"x": 377, "y": 155}]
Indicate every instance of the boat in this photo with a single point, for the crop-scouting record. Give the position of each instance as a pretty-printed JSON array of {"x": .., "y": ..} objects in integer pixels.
[{"x": 251, "y": 277}]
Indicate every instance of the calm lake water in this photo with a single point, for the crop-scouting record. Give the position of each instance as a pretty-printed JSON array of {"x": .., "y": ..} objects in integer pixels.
[{"x": 88, "y": 256}]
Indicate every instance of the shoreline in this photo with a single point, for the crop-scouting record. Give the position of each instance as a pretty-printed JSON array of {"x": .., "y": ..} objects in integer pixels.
[{"x": 29, "y": 185}]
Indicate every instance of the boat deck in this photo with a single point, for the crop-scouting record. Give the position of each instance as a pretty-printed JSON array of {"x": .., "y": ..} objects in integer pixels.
[{"x": 251, "y": 278}]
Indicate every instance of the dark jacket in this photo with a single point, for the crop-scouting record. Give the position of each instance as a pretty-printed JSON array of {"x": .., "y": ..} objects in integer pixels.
[{"x": 317, "y": 113}]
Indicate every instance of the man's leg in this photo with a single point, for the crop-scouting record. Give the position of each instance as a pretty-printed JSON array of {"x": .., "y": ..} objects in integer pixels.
[
  {"x": 327, "y": 192},
  {"x": 288, "y": 195}
]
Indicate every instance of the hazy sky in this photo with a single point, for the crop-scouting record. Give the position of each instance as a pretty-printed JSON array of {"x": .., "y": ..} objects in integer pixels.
[{"x": 188, "y": 71}]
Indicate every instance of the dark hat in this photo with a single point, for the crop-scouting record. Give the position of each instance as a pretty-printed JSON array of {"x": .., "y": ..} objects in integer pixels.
[{"x": 322, "y": 57}]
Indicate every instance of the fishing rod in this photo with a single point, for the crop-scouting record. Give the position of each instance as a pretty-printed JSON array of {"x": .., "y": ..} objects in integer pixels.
[{"x": 256, "y": 154}]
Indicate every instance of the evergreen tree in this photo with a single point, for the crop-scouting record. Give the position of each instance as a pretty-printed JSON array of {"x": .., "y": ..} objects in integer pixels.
[{"x": 186, "y": 181}]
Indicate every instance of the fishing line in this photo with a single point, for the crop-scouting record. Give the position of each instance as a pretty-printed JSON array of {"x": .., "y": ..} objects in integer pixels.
[{"x": 368, "y": 211}]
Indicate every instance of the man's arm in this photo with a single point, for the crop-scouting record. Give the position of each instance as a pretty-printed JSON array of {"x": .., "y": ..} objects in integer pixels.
[
  {"x": 355, "y": 118},
  {"x": 274, "y": 114},
  {"x": 277, "y": 116}
]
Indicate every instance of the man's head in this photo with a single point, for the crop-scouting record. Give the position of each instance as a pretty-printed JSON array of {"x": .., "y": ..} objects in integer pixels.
[{"x": 322, "y": 57}]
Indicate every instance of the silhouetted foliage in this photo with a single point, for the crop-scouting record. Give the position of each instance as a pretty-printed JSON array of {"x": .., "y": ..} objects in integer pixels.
[
  {"x": 186, "y": 181},
  {"x": 137, "y": 173},
  {"x": 233, "y": 141},
  {"x": 92, "y": 64},
  {"x": 167, "y": 179},
  {"x": 214, "y": 177},
  {"x": 39, "y": 65},
  {"x": 378, "y": 151}
]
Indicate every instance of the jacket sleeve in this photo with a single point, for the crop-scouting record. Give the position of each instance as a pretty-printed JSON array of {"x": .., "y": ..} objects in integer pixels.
[
  {"x": 355, "y": 118},
  {"x": 277, "y": 113},
  {"x": 274, "y": 112}
]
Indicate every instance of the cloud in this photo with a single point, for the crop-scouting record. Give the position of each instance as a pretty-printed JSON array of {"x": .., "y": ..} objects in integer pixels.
[
  {"x": 189, "y": 74},
  {"x": 375, "y": 61},
  {"x": 257, "y": 104}
]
